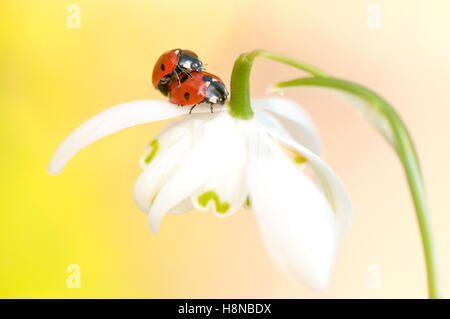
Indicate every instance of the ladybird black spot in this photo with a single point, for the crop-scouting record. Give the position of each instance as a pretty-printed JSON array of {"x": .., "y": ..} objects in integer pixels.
[
  {"x": 163, "y": 67},
  {"x": 187, "y": 96},
  {"x": 207, "y": 78}
]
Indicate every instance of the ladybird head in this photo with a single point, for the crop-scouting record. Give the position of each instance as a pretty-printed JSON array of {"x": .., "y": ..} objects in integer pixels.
[
  {"x": 197, "y": 66},
  {"x": 216, "y": 93},
  {"x": 190, "y": 61}
]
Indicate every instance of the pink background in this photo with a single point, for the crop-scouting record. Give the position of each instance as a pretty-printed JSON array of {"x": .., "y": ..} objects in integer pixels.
[{"x": 54, "y": 77}]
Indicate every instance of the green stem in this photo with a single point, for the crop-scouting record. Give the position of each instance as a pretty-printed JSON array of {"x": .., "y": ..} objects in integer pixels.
[
  {"x": 388, "y": 123},
  {"x": 240, "y": 88},
  {"x": 401, "y": 141}
]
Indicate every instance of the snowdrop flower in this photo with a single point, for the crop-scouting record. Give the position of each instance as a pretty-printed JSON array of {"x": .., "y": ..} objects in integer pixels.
[
  {"x": 220, "y": 163},
  {"x": 255, "y": 154}
]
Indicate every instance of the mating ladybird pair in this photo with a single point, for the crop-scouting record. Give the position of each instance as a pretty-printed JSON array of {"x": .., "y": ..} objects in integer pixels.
[{"x": 179, "y": 74}]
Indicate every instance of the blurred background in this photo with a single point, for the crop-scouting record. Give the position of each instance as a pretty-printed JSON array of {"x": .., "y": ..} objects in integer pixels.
[{"x": 56, "y": 73}]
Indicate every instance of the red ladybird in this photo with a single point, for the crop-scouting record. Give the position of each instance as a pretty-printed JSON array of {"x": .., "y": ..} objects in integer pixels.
[
  {"x": 200, "y": 87},
  {"x": 171, "y": 65}
]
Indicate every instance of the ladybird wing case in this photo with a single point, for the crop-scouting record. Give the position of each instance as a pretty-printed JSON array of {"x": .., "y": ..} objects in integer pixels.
[
  {"x": 190, "y": 52},
  {"x": 212, "y": 77},
  {"x": 191, "y": 91},
  {"x": 165, "y": 65}
]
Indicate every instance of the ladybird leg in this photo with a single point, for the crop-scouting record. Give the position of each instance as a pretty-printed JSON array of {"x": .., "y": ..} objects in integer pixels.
[
  {"x": 185, "y": 72},
  {"x": 192, "y": 108},
  {"x": 178, "y": 79},
  {"x": 211, "y": 107}
]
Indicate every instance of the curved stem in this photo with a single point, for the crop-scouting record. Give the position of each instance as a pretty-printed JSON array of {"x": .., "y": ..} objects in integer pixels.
[
  {"x": 386, "y": 121},
  {"x": 398, "y": 136},
  {"x": 240, "y": 87}
]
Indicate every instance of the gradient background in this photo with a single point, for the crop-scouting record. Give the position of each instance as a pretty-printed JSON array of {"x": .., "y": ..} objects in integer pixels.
[{"x": 53, "y": 78}]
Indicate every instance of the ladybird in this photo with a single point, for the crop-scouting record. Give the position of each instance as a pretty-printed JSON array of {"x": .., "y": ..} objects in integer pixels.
[
  {"x": 200, "y": 87},
  {"x": 171, "y": 65}
]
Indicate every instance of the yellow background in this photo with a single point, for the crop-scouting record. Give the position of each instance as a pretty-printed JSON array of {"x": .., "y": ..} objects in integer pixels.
[{"x": 53, "y": 78}]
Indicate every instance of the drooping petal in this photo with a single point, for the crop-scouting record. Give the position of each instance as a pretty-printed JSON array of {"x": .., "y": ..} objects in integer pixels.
[
  {"x": 110, "y": 121},
  {"x": 295, "y": 219},
  {"x": 164, "y": 155},
  {"x": 181, "y": 208},
  {"x": 171, "y": 134},
  {"x": 158, "y": 171},
  {"x": 294, "y": 119},
  {"x": 198, "y": 166},
  {"x": 224, "y": 190},
  {"x": 270, "y": 123},
  {"x": 330, "y": 183}
]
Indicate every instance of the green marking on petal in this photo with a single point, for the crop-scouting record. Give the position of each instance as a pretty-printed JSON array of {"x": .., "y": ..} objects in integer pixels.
[
  {"x": 300, "y": 159},
  {"x": 248, "y": 202},
  {"x": 153, "y": 199},
  {"x": 203, "y": 199},
  {"x": 155, "y": 146}
]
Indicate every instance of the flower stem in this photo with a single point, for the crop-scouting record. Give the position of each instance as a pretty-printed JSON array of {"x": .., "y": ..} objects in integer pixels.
[
  {"x": 403, "y": 145},
  {"x": 240, "y": 87},
  {"x": 389, "y": 124}
]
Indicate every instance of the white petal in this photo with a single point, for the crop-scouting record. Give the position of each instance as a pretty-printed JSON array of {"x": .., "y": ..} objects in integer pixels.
[
  {"x": 294, "y": 119},
  {"x": 156, "y": 174},
  {"x": 181, "y": 208},
  {"x": 270, "y": 123},
  {"x": 173, "y": 132},
  {"x": 177, "y": 189},
  {"x": 295, "y": 219},
  {"x": 110, "y": 121},
  {"x": 330, "y": 183},
  {"x": 197, "y": 166},
  {"x": 174, "y": 142},
  {"x": 224, "y": 191}
]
